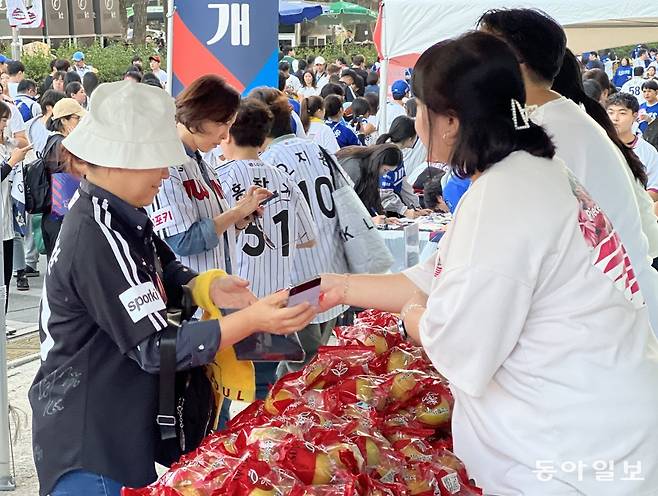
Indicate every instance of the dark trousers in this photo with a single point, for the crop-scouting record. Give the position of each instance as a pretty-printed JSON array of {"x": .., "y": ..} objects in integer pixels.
[
  {"x": 8, "y": 263},
  {"x": 50, "y": 226}
]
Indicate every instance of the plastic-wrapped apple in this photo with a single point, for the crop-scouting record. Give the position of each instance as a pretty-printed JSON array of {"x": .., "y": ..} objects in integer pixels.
[
  {"x": 403, "y": 385},
  {"x": 434, "y": 410},
  {"x": 280, "y": 395},
  {"x": 377, "y": 341},
  {"x": 262, "y": 492},
  {"x": 312, "y": 373},
  {"x": 398, "y": 360},
  {"x": 372, "y": 453},
  {"x": 416, "y": 482}
]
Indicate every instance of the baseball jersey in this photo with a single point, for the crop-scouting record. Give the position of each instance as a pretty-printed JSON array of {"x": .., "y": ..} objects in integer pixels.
[
  {"x": 303, "y": 161},
  {"x": 634, "y": 87},
  {"x": 267, "y": 248},
  {"x": 186, "y": 198},
  {"x": 322, "y": 134},
  {"x": 651, "y": 111}
]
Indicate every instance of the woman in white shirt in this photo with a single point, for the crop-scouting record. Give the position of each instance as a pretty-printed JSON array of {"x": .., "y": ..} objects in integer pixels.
[
  {"x": 11, "y": 157},
  {"x": 309, "y": 87},
  {"x": 531, "y": 309},
  {"x": 315, "y": 127}
]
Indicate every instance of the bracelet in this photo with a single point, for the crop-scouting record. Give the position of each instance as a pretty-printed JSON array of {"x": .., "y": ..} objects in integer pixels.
[
  {"x": 409, "y": 308},
  {"x": 346, "y": 288}
]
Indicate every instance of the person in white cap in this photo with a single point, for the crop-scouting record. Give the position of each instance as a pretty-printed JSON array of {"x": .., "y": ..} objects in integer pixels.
[
  {"x": 64, "y": 177},
  {"x": 109, "y": 282},
  {"x": 321, "y": 76}
]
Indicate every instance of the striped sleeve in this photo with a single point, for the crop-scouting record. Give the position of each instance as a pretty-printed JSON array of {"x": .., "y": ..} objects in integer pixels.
[
  {"x": 174, "y": 212},
  {"x": 120, "y": 297}
]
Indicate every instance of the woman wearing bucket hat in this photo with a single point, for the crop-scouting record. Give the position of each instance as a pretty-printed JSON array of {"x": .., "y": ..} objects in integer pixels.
[
  {"x": 64, "y": 177},
  {"x": 190, "y": 211},
  {"x": 109, "y": 281}
]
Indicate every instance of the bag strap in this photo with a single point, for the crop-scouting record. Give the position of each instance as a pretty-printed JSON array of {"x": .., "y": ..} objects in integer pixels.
[
  {"x": 166, "y": 417},
  {"x": 333, "y": 167}
]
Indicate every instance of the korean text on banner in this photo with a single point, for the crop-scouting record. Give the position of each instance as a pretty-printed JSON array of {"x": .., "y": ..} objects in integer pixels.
[
  {"x": 25, "y": 13},
  {"x": 237, "y": 40}
]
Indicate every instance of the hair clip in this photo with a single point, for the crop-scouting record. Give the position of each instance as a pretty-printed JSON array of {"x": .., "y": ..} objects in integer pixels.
[{"x": 518, "y": 109}]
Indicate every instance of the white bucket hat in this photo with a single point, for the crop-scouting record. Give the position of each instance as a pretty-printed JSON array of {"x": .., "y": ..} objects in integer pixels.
[{"x": 129, "y": 126}]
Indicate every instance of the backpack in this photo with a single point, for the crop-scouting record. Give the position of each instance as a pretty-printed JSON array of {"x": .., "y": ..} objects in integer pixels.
[
  {"x": 36, "y": 179},
  {"x": 24, "y": 109},
  {"x": 187, "y": 403}
]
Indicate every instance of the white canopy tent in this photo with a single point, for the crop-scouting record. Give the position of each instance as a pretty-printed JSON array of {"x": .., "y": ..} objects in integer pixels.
[{"x": 406, "y": 28}]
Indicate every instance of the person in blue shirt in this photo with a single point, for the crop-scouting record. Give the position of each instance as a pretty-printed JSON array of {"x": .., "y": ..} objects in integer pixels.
[
  {"x": 649, "y": 109},
  {"x": 624, "y": 73},
  {"x": 454, "y": 189},
  {"x": 333, "y": 109}
]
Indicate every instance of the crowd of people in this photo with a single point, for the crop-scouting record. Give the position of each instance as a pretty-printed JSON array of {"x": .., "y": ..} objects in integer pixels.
[
  {"x": 539, "y": 307},
  {"x": 39, "y": 115}
]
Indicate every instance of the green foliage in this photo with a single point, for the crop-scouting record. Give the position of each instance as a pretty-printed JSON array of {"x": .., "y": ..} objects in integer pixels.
[
  {"x": 111, "y": 61},
  {"x": 332, "y": 52}
]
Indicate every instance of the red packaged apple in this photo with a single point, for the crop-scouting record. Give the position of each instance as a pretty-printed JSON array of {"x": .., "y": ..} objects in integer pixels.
[{"x": 334, "y": 364}]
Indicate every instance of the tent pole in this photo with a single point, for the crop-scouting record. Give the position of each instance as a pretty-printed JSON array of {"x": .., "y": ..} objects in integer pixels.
[
  {"x": 383, "y": 75},
  {"x": 170, "y": 46}
]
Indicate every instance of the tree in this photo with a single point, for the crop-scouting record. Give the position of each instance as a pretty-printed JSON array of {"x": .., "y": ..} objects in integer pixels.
[
  {"x": 139, "y": 21},
  {"x": 123, "y": 15}
]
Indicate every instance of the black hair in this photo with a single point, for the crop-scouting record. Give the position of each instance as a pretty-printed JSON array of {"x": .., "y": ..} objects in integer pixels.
[
  {"x": 50, "y": 98},
  {"x": 59, "y": 75},
  {"x": 599, "y": 76},
  {"x": 134, "y": 75},
  {"x": 14, "y": 67},
  {"x": 349, "y": 73},
  {"x": 72, "y": 88},
  {"x": 301, "y": 64},
  {"x": 358, "y": 60},
  {"x": 432, "y": 189},
  {"x": 595, "y": 54},
  {"x": 279, "y": 105},
  {"x": 150, "y": 79},
  {"x": 90, "y": 82},
  {"x": 333, "y": 104},
  {"x": 135, "y": 68},
  {"x": 55, "y": 125},
  {"x": 481, "y": 66},
  {"x": 310, "y": 60},
  {"x": 650, "y": 85},
  {"x": 71, "y": 77},
  {"x": 625, "y": 100},
  {"x": 313, "y": 82},
  {"x": 371, "y": 159},
  {"x": 402, "y": 128},
  {"x": 332, "y": 89},
  {"x": 286, "y": 50},
  {"x": 62, "y": 65},
  {"x": 341, "y": 60},
  {"x": 570, "y": 84},
  {"x": 5, "y": 111},
  {"x": 411, "y": 107},
  {"x": 284, "y": 66},
  {"x": 538, "y": 40},
  {"x": 360, "y": 107},
  {"x": 136, "y": 58},
  {"x": 644, "y": 51},
  {"x": 52, "y": 64},
  {"x": 638, "y": 71},
  {"x": 253, "y": 123},
  {"x": 310, "y": 106},
  {"x": 282, "y": 81},
  {"x": 373, "y": 101},
  {"x": 373, "y": 78},
  {"x": 26, "y": 85},
  {"x": 592, "y": 89}
]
